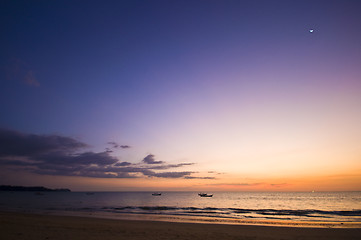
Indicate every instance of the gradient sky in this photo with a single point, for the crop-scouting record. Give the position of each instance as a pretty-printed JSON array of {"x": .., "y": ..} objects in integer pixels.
[{"x": 181, "y": 95}]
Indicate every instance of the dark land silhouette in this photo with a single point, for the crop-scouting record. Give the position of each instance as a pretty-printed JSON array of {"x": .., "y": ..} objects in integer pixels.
[{"x": 31, "y": 189}]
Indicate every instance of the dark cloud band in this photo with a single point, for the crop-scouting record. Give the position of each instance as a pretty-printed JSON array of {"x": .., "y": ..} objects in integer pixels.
[{"x": 65, "y": 156}]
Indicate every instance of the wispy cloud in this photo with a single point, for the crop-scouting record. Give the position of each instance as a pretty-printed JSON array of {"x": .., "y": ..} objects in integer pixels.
[
  {"x": 168, "y": 166},
  {"x": 170, "y": 174},
  {"x": 114, "y": 146},
  {"x": 30, "y": 79},
  {"x": 18, "y": 70},
  {"x": 117, "y": 145},
  {"x": 65, "y": 156},
  {"x": 192, "y": 177}
]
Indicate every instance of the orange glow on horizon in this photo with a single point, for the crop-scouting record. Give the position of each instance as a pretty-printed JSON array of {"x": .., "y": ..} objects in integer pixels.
[{"x": 338, "y": 182}]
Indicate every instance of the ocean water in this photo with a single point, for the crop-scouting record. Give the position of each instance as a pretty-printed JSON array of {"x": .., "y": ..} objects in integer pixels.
[{"x": 339, "y": 207}]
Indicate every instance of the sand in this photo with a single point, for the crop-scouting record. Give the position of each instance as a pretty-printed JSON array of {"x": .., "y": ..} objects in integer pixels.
[{"x": 36, "y": 227}]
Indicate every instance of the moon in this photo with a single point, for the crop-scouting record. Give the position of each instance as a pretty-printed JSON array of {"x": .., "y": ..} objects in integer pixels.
[{"x": 311, "y": 30}]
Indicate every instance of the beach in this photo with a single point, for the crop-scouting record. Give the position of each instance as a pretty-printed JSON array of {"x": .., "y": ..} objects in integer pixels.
[{"x": 38, "y": 226}]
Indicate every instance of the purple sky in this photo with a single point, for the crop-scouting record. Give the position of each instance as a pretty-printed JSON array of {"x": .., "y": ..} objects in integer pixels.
[{"x": 204, "y": 83}]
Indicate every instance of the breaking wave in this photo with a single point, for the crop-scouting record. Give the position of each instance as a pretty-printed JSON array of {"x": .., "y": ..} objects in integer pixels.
[{"x": 237, "y": 212}]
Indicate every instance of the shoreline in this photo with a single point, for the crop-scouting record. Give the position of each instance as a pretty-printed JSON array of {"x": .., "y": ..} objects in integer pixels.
[
  {"x": 210, "y": 220},
  {"x": 15, "y": 225},
  {"x": 191, "y": 219}
]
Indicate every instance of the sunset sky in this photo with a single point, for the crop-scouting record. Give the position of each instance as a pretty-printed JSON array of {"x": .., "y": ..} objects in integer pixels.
[{"x": 181, "y": 95}]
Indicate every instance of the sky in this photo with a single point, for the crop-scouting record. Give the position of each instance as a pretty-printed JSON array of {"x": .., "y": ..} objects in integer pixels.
[{"x": 194, "y": 95}]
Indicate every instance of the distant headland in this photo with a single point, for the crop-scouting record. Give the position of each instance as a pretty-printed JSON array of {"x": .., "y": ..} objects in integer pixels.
[{"x": 31, "y": 189}]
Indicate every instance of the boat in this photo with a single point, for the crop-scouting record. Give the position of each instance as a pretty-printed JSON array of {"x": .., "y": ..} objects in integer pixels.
[
  {"x": 156, "y": 194},
  {"x": 205, "y": 195}
]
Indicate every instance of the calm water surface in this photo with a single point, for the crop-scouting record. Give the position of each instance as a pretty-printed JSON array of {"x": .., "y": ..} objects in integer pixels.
[{"x": 322, "y": 206}]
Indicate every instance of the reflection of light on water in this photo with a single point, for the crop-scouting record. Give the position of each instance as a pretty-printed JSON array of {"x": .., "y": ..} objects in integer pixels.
[{"x": 309, "y": 206}]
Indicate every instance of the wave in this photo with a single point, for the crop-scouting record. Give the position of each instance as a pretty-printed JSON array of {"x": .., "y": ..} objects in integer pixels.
[{"x": 237, "y": 212}]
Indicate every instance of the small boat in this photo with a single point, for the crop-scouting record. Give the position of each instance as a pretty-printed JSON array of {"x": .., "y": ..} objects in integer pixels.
[
  {"x": 205, "y": 195},
  {"x": 156, "y": 194}
]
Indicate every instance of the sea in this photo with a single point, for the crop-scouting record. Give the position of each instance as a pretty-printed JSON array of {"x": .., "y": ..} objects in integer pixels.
[{"x": 310, "y": 208}]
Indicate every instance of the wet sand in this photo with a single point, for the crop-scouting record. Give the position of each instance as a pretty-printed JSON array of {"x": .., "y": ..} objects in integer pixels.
[{"x": 36, "y": 227}]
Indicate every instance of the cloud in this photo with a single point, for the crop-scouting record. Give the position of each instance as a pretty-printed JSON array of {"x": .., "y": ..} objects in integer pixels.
[
  {"x": 122, "y": 164},
  {"x": 125, "y": 146},
  {"x": 151, "y": 160},
  {"x": 93, "y": 172},
  {"x": 170, "y": 174},
  {"x": 65, "y": 156},
  {"x": 116, "y": 145},
  {"x": 30, "y": 79},
  {"x": 168, "y": 166},
  {"x": 192, "y": 177},
  {"x": 18, "y": 70},
  {"x": 83, "y": 159},
  {"x": 13, "y": 143}
]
